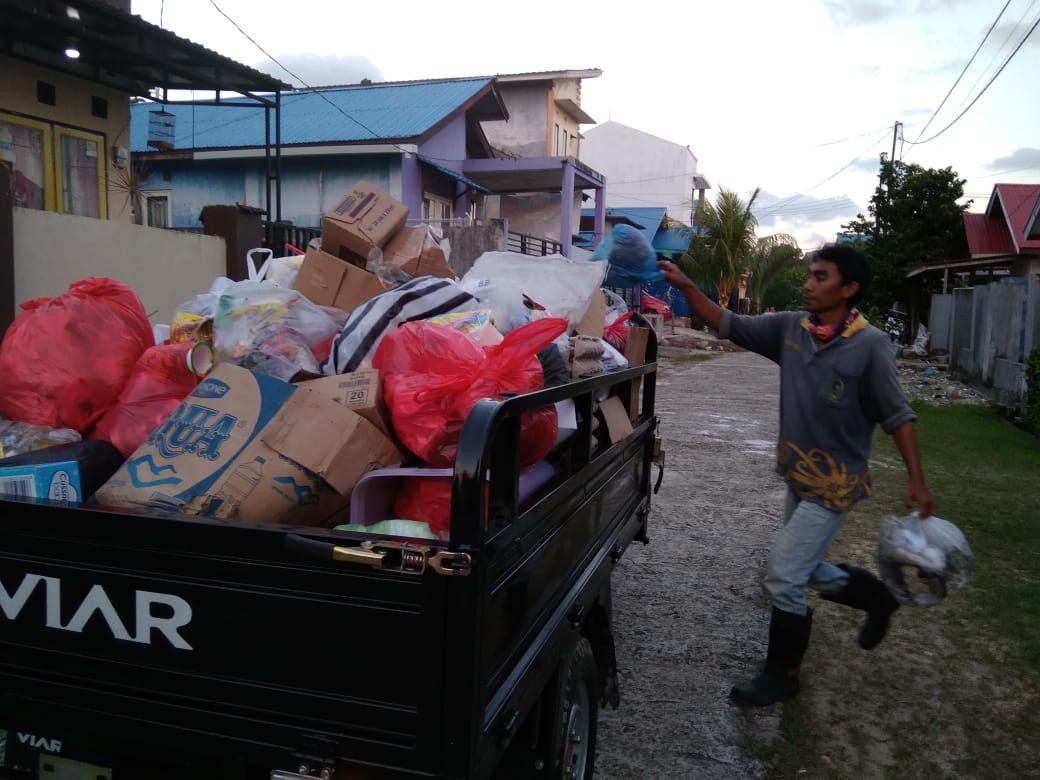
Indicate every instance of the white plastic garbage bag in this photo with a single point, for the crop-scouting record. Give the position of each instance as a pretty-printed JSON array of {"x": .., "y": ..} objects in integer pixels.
[
  {"x": 918, "y": 559},
  {"x": 563, "y": 286}
]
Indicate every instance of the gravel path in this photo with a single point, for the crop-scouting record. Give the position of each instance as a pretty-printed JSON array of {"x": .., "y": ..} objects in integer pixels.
[{"x": 690, "y": 615}]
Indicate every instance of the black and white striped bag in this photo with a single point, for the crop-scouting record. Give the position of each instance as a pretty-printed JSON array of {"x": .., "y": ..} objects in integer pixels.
[{"x": 419, "y": 299}]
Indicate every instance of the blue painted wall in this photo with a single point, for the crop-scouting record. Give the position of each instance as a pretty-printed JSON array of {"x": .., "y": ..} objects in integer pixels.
[{"x": 310, "y": 185}]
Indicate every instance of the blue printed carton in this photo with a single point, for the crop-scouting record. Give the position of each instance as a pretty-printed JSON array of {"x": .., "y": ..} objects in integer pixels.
[
  {"x": 249, "y": 446},
  {"x": 56, "y": 481}
]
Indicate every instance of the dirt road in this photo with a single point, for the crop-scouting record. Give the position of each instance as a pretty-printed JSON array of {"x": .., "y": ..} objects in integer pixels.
[{"x": 690, "y": 615}]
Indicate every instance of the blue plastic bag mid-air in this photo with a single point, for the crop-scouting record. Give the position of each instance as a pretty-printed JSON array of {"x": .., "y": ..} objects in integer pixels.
[{"x": 631, "y": 261}]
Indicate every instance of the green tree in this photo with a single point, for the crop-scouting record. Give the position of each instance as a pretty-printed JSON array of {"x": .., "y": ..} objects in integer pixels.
[
  {"x": 722, "y": 243},
  {"x": 771, "y": 256},
  {"x": 785, "y": 293},
  {"x": 914, "y": 219}
]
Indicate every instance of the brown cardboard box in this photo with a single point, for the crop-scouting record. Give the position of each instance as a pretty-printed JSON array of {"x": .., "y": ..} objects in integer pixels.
[
  {"x": 416, "y": 252},
  {"x": 329, "y": 281},
  {"x": 595, "y": 318},
  {"x": 251, "y": 447},
  {"x": 635, "y": 353},
  {"x": 365, "y": 218},
  {"x": 616, "y": 418},
  {"x": 359, "y": 391}
]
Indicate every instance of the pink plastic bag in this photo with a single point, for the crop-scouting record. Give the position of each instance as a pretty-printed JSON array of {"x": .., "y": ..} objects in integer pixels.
[
  {"x": 64, "y": 360},
  {"x": 433, "y": 376}
]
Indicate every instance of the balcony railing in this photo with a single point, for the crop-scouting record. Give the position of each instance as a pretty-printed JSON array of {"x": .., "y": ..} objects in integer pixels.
[{"x": 531, "y": 245}]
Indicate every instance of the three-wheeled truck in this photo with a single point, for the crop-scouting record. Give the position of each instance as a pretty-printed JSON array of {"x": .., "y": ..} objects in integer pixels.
[{"x": 137, "y": 644}]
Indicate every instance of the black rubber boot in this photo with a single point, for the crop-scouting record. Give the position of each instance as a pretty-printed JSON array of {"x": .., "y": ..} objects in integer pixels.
[
  {"x": 865, "y": 591},
  {"x": 778, "y": 680}
]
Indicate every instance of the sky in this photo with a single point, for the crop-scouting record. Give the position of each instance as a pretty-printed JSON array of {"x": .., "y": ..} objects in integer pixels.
[{"x": 795, "y": 98}]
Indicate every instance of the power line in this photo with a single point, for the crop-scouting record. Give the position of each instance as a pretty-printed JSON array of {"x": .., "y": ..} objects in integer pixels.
[
  {"x": 963, "y": 71},
  {"x": 983, "y": 92},
  {"x": 854, "y": 137}
]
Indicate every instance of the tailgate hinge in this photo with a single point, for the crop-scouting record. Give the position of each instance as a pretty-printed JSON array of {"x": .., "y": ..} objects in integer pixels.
[{"x": 405, "y": 558}]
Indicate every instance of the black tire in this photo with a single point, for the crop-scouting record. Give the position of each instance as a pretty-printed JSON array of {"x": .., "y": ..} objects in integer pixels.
[{"x": 579, "y": 711}]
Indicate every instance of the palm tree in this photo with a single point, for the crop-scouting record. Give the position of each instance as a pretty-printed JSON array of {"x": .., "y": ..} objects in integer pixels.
[
  {"x": 771, "y": 255},
  {"x": 723, "y": 243}
]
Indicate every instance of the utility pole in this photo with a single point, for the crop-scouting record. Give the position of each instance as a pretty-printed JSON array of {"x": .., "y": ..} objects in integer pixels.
[{"x": 895, "y": 134}]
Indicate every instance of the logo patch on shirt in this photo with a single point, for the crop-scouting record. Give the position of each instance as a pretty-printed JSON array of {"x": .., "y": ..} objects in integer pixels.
[
  {"x": 792, "y": 345},
  {"x": 837, "y": 390}
]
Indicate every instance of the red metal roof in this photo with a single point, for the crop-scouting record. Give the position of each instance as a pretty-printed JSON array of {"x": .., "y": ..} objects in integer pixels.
[
  {"x": 987, "y": 235},
  {"x": 1017, "y": 202}
]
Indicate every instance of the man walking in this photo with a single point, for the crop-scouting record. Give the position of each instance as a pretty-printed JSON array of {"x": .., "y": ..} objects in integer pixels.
[{"x": 837, "y": 381}]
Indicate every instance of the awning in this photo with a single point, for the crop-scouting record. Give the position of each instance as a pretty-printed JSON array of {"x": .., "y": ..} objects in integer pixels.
[
  {"x": 453, "y": 174},
  {"x": 119, "y": 50},
  {"x": 530, "y": 174}
]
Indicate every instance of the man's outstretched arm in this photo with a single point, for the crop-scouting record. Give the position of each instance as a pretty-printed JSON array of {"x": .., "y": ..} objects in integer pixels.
[
  {"x": 917, "y": 491},
  {"x": 704, "y": 307}
]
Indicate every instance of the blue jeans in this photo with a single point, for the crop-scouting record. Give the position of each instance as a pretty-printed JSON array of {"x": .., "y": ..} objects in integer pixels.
[{"x": 796, "y": 560}]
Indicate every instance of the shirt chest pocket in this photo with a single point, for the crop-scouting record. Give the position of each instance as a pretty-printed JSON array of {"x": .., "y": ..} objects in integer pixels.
[{"x": 840, "y": 390}]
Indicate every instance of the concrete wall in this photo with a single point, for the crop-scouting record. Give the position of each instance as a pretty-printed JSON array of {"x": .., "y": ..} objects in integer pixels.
[
  {"x": 994, "y": 328},
  {"x": 164, "y": 267},
  {"x": 525, "y": 133},
  {"x": 641, "y": 169},
  {"x": 537, "y": 214},
  {"x": 471, "y": 241},
  {"x": 940, "y": 321},
  {"x": 72, "y": 109}
]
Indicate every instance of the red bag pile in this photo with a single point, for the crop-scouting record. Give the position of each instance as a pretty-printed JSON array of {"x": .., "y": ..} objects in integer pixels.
[
  {"x": 433, "y": 376},
  {"x": 161, "y": 379},
  {"x": 616, "y": 333},
  {"x": 64, "y": 360}
]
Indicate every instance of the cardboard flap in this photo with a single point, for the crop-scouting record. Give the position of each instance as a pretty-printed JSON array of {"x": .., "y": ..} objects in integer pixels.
[
  {"x": 328, "y": 440},
  {"x": 615, "y": 415},
  {"x": 320, "y": 277}
]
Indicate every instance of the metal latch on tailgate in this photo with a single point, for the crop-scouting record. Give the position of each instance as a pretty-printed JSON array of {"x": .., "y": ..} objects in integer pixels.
[
  {"x": 405, "y": 558},
  {"x": 658, "y": 460},
  {"x": 385, "y": 555}
]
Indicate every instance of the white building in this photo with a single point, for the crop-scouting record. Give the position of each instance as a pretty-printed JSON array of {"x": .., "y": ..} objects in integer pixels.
[{"x": 644, "y": 170}]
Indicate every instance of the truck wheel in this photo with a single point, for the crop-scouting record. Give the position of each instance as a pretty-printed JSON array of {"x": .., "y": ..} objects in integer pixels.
[{"x": 579, "y": 709}]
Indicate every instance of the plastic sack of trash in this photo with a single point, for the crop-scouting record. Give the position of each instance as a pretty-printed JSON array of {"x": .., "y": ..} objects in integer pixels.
[
  {"x": 918, "y": 559},
  {"x": 616, "y": 333},
  {"x": 271, "y": 330},
  {"x": 413, "y": 528},
  {"x": 17, "y": 438},
  {"x": 278, "y": 270},
  {"x": 64, "y": 360},
  {"x": 367, "y": 325},
  {"x": 562, "y": 286},
  {"x": 631, "y": 260},
  {"x": 433, "y": 376},
  {"x": 164, "y": 376}
]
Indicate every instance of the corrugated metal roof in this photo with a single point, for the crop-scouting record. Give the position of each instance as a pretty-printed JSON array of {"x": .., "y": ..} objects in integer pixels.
[
  {"x": 342, "y": 115},
  {"x": 987, "y": 235},
  {"x": 1018, "y": 201}
]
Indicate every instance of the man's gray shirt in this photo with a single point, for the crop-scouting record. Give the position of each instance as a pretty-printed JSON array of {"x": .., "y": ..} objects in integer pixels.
[{"x": 831, "y": 396}]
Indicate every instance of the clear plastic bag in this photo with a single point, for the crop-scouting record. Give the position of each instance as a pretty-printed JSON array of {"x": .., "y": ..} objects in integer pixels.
[
  {"x": 918, "y": 558},
  {"x": 17, "y": 438},
  {"x": 271, "y": 329}
]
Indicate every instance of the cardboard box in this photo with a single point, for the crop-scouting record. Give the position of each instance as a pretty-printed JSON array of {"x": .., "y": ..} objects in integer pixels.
[
  {"x": 595, "y": 318},
  {"x": 249, "y": 446},
  {"x": 635, "y": 353},
  {"x": 416, "y": 252},
  {"x": 56, "y": 481},
  {"x": 615, "y": 416},
  {"x": 359, "y": 391},
  {"x": 365, "y": 218},
  {"x": 329, "y": 281}
]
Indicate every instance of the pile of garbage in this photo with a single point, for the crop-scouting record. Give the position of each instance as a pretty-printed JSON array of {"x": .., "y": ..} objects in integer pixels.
[{"x": 327, "y": 389}]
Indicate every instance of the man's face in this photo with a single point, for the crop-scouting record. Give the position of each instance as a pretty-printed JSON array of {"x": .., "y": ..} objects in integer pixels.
[{"x": 823, "y": 289}]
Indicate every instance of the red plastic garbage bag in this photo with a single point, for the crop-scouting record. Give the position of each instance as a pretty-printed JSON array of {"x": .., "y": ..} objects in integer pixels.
[
  {"x": 433, "y": 376},
  {"x": 616, "y": 333},
  {"x": 65, "y": 360},
  {"x": 428, "y": 500},
  {"x": 163, "y": 377}
]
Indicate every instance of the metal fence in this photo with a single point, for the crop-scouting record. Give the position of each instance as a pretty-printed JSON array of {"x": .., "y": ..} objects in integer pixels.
[{"x": 531, "y": 245}]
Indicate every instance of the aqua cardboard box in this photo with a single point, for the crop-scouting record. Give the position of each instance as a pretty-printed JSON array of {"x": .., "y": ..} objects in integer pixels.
[
  {"x": 248, "y": 446},
  {"x": 56, "y": 481}
]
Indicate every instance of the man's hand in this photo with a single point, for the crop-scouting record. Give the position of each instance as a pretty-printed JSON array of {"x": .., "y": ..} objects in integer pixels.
[
  {"x": 918, "y": 493},
  {"x": 674, "y": 276},
  {"x": 706, "y": 309}
]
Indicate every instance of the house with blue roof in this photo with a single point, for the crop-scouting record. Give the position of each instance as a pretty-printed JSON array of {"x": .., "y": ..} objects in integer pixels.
[{"x": 423, "y": 142}]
